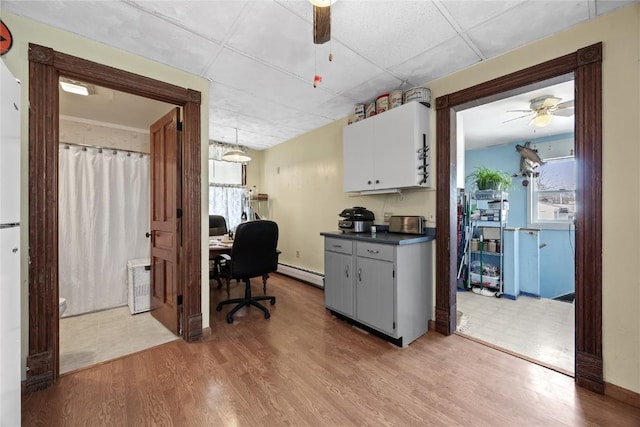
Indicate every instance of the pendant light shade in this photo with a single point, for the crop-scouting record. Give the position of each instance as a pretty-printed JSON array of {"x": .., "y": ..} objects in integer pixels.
[{"x": 236, "y": 155}]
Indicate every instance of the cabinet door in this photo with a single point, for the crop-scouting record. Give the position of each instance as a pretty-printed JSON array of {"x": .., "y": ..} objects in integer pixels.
[
  {"x": 357, "y": 150},
  {"x": 375, "y": 301},
  {"x": 399, "y": 134},
  {"x": 338, "y": 282}
]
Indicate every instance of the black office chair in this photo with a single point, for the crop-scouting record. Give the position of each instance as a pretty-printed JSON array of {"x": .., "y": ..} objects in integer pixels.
[
  {"x": 217, "y": 227},
  {"x": 254, "y": 254}
]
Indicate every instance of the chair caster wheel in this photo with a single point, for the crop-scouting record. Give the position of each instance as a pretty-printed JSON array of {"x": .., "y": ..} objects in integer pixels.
[
  {"x": 273, "y": 301},
  {"x": 219, "y": 308},
  {"x": 229, "y": 319},
  {"x": 267, "y": 315}
]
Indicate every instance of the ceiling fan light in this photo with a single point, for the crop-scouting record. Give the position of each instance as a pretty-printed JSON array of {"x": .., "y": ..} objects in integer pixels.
[
  {"x": 542, "y": 120},
  {"x": 322, "y": 3},
  {"x": 78, "y": 89}
]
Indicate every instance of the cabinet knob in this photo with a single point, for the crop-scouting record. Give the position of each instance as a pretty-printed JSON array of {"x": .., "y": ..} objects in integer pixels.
[
  {"x": 360, "y": 275},
  {"x": 369, "y": 182},
  {"x": 377, "y": 181}
]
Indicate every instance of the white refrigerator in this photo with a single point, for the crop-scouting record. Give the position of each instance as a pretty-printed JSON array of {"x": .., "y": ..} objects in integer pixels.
[{"x": 10, "y": 372}]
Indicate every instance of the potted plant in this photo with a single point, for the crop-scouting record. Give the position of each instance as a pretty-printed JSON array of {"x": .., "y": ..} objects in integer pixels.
[{"x": 489, "y": 179}]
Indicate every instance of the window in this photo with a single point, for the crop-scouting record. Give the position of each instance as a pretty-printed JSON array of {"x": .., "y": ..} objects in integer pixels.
[
  {"x": 553, "y": 194},
  {"x": 223, "y": 172},
  {"x": 226, "y": 191}
]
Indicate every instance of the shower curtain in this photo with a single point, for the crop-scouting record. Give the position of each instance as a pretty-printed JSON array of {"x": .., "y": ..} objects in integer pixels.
[{"x": 103, "y": 217}]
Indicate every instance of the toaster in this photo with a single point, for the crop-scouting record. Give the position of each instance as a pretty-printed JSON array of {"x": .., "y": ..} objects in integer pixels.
[{"x": 407, "y": 224}]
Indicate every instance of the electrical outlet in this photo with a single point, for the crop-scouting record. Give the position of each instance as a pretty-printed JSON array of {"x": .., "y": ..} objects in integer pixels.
[
  {"x": 297, "y": 254},
  {"x": 387, "y": 216},
  {"x": 431, "y": 217}
]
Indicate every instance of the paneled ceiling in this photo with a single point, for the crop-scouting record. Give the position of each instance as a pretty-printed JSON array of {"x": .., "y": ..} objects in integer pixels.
[{"x": 260, "y": 58}]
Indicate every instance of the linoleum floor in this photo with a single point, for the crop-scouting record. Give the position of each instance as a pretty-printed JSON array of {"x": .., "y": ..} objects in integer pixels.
[
  {"x": 92, "y": 338},
  {"x": 536, "y": 328}
]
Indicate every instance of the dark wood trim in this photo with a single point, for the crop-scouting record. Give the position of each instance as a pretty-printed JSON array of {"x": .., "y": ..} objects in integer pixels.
[
  {"x": 42, "y": 360},
  {"x": 586, "y": 65},
  {"x": 622, "y": 394},
  {"x": 45, "y": 68},
  {"x": 588, "y": 264}
]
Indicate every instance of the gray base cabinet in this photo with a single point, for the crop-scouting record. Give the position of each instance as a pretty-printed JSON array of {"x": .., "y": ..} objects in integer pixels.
[
  {"x": 338, "y": 270},
  {"x": 384, "y": 287}
]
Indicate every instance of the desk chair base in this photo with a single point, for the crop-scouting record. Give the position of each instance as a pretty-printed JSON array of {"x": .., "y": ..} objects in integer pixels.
[{"x": 247, "y": 301}]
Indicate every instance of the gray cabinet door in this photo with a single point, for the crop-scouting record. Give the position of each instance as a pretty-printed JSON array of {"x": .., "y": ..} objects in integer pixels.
[
  {"x": 375, "y": 294},
  {"x": 338, "y": 282}
]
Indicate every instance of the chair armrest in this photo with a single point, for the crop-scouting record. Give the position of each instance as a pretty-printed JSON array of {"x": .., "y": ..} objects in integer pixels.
[{"x": 226, "y": 257}]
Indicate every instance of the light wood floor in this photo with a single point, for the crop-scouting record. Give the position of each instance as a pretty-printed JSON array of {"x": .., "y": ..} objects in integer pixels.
[{"x": 304, "y": 368}]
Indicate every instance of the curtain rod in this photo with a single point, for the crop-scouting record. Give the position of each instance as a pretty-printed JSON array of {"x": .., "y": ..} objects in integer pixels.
[{"x": 85, "y": 146}]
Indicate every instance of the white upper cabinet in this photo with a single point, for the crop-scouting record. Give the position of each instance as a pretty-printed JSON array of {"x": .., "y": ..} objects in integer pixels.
[{"x": 385, "y": 152}]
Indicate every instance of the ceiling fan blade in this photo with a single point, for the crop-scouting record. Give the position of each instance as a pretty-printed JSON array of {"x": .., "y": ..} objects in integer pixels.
[
  {"x": 551, "y": 101},
  {"x": 566, "y": 104},
  {"x": 519, "y": 111},
  {"x": 321, "y": 24},
  {"x": 565, "y": 112},
  {"x": 516, "y": 118}
]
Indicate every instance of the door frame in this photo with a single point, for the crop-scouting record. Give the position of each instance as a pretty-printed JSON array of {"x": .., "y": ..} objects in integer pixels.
[
  {"x": 586, "y": 65},
  {"x": 46, "y": 66}
]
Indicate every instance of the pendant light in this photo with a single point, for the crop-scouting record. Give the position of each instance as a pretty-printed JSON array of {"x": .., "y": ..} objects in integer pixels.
[{"x": 236, "y": 155}]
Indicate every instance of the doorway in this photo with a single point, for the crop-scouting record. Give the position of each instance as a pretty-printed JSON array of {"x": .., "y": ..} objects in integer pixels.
[
  {"x": 586, "y": 64},
  {"x": 104, "y": 222},
  {"x": 45, "y": 68},
  {"x": 516, "y": 264}
]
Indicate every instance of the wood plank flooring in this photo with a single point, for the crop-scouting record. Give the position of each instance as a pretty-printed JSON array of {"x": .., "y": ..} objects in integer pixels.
[{"x": 303, "y": 367}]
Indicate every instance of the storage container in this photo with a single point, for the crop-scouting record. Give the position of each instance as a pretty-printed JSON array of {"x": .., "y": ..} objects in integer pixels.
[
  {"x": 420, "y": 94},
  {"x": 370, "y": 109},
  {"x": 382, "y": 103},
  {"x": 395, "y": 99},
  {"x": 359, "y": 112},
  {"x": 486, "y": 280}
]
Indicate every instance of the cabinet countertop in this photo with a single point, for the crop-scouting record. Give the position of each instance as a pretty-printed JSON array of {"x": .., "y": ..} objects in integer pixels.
[{"x": 384, "y": 237}]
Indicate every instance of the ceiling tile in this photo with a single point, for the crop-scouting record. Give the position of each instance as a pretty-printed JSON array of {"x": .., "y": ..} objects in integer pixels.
[
  {"x": 606, "y": 6},
  {"x": 446, "y": 58},
  {"x": 263, "y": 81},
  {"x": 468, "y": 14},
  {"x": 389, "y": 32},
  {"x": 137, "y": 32},
  {"x": 525, "y": 23},
  {"x": 276, "y": 36},
  {"x": 211, "y": 19},
  {"x": 370, "y": 89}
]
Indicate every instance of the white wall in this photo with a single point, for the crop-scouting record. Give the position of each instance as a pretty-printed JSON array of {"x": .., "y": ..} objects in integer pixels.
[{"x": 26, "y": 31}]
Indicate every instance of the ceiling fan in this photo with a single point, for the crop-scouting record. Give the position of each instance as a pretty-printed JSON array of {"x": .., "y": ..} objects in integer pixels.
[
  {"x": 542, "y": 109},
  {"x": 321, "y": 20}
]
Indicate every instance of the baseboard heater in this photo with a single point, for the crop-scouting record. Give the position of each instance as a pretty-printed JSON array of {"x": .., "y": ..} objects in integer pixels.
[{"x": 312, "y": 277}]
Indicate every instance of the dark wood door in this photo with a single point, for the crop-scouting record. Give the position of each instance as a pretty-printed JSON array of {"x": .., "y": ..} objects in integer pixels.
[{"x": 166, "y": 290}]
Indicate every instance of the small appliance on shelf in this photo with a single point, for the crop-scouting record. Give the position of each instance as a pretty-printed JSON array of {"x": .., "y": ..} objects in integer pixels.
[{"x": 356, "y": 220}]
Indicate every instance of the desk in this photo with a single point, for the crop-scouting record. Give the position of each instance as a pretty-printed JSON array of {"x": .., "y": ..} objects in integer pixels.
[
  {"x": 216, "y": 250},
  {"x": 219, "y": 245}
]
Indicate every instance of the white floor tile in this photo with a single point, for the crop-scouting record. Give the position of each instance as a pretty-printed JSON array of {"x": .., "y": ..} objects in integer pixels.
[
  {"x": 541, "y": 329},
  {"x": 97, "y": 337}
]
